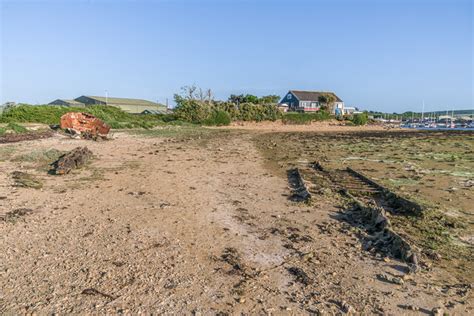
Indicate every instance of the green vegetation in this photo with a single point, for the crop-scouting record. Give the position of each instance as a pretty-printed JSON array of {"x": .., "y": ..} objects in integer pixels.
[
  {"x": 197, "y": 106},
  {"x": 433, "y": 231},
  {"x": 305, "y": 118},
  {"x": 249, "y": 98},
  {"x": 193, "y": 105},
  {"x": 328, "y": 100},
  {"x": 26, "y": 180},
  {"x": 360, "y": 119},
  {"x": 6, "y": 152},
  {"x": 218, "y": 118},
  {"x": 50, "y": 114},
  {"x": 41, "y": 158},
  {"x": 13, "y": 128},
  {"x": 35, "y": 114}
]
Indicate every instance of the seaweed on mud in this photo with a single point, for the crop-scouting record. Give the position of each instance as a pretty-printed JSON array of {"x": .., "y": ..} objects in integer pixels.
[
  {"x": 26, "y": 180},
  {"x": 299, "y": 275},
  {"x": 16, "y": 214},
  {"x": 231, "y": 256}
]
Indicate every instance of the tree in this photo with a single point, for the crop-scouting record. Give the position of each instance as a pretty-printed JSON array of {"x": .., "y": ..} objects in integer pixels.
[
  {"x": 194, "y": 93},
  {"x": 250, "y": 98},
  {"x": 269, "y": 99},
  {"x": 328, "y": 100},
  {"x": 193, "y": 104},
  {"x": 237, "y": 99},
  {"x": 323, "y": 100},
  {"x": 360, "y": 119}
]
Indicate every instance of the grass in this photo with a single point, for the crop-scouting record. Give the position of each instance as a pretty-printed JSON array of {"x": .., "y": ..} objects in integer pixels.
[
  {"x": 403, "y": 182},
  {"x": 6, "y": 152},
  {"x": 49, "y": 114},
  {"x": 433, "y": 231},
  {"x": 13, "y": 128},
  {"x": 26, "y": 180},
  {"x": 40, "y": 158}
]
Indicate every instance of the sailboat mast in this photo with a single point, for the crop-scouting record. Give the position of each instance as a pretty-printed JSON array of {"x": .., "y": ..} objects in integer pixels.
[{"x": 423, "y": 112}]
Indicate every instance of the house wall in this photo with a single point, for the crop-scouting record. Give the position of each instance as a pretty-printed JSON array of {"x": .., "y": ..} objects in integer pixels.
[
  {"x": 338, "y": 108},
  {"x": 309, "y": 106},
  {"x": 292, "y": 101}
]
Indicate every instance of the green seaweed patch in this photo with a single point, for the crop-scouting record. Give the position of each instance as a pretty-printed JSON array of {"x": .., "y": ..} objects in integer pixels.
[
  {"x": 40, "y": 158},
  {"x": 433, "y": 231},
  {"x": 26, "y": 180}
]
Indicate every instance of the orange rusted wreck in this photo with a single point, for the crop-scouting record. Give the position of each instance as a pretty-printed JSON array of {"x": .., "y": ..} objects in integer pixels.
[{"x": 84, "y": 123}]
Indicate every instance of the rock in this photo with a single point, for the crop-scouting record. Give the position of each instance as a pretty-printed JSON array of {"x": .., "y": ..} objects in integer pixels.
[
  {"x": 76, "y": 158},
  {"x": 437, "y": 311},
  {"x": 389, "y": 279},
  {"x": 398, "y": 280},
  {"x": 347, "y": 308},
  {"x": 308, "y": 256}
]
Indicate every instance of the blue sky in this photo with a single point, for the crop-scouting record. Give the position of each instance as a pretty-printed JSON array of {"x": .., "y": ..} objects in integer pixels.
[{"x": 382, "y": 55}]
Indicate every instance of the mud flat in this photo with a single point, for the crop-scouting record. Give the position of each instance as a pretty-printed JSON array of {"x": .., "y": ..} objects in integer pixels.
[{"x": 202, "y": 221}]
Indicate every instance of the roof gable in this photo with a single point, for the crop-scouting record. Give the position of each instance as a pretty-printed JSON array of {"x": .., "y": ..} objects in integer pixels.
[{"x": 67, "y": 101}]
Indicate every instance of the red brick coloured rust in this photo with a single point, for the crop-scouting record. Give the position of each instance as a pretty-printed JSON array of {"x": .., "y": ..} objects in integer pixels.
[{"x": 84, "y": 123}]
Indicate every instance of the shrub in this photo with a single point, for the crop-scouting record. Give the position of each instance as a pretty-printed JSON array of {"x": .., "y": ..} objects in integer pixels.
[
  {"x": 168, "y": 117},
  {"x": 360, "y": 119},
  {"x": 258, "y": 112},
  {"x": 218, "y": 118},
  {"x": 193, "y": 111},
  {"x": 229, "y": 107}
]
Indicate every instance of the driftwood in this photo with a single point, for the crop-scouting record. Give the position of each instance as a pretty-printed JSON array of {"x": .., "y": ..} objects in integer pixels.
[
  {"x": 76, "y": 158},
  {"x": 298, "y": 186}
]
